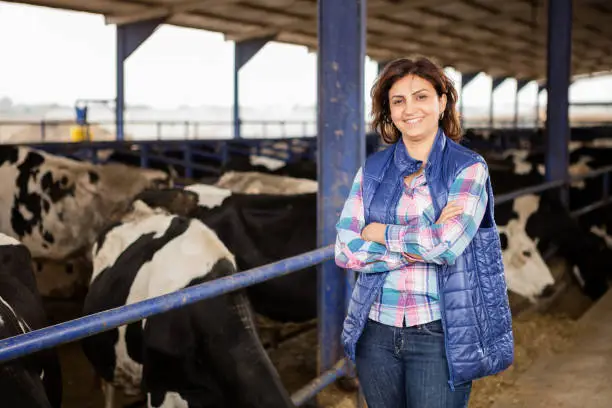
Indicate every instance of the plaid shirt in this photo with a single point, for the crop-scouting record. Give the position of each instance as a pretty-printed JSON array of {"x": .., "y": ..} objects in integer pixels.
[{"x": 410, "y": 292}]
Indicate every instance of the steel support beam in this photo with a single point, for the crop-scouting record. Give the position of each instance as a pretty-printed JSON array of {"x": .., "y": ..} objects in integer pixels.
[
  {"x": 520, "y": 84},
  {"x": 243, "y": 52},
  {"x": 558, "y": 82},
  {"x": 466, "y": 78},
  {"x": 129, "y": 37},
  {"x": 495, "y": 83},
  {"x": 341, "y": 151}
]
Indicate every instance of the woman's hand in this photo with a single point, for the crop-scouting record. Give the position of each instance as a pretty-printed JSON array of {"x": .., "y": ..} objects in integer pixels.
[
  {"x": 451, "y": 210},
  {"x": 374, "y": 232}
]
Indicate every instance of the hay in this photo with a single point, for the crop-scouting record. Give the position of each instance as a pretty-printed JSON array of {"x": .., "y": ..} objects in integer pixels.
[{"x": 535, "y": 336}]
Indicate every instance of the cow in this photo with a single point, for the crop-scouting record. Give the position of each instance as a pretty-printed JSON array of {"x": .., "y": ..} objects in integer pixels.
[
  {"x": 205, "y": 354},
  {"x": 35, "y": 380},
  {"x": 57, "y": 206},
  {"x": 258, "y": 183},
  {"x": 258, "y": 229},
  {"x": 536, "y": 224},
  {"x": 583, "y": 242}
]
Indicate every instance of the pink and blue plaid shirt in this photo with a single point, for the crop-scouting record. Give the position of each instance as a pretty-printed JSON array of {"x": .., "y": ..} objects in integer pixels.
[{"x": 409, "y": 295}]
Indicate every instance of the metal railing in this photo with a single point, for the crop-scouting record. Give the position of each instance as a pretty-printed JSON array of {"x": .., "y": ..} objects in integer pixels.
[
  {"x": 59, "y": 130},
  {"x": 550, "y": 185},
  {"x": 206, "y": 155}
]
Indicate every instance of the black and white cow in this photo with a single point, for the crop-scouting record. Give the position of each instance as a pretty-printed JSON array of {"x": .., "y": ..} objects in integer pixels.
[
  {"x": 252, "y": 182},
  {"x": 33, "y": 381},
  {"x": 57, "y": 206},
  {"x": 258, "y": 229},
  {"x": 207, "y": 354},
  {"x": 533, "y": 225},
  {"x": 540, "y": 220}
]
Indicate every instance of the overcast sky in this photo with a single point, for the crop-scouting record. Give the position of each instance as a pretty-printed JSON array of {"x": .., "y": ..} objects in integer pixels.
[{"x": 50, "y": 55}]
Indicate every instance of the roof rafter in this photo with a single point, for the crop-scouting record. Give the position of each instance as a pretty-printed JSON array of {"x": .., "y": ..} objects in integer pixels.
[{"x": 499, "y": 38}]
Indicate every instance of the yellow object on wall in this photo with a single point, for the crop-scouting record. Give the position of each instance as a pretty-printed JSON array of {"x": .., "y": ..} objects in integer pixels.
[{"x": 80, "y": 134}]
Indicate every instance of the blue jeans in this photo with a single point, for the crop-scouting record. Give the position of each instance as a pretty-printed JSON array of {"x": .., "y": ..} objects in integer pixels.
[{"x": 406, "y": 367}]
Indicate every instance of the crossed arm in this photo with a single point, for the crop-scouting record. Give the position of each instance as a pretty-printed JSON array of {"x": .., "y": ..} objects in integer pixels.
[{"x": 385, "y": 247}]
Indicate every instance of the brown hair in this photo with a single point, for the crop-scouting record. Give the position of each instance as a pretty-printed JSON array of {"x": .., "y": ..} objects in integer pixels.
[{"x": 426, "y": 69}]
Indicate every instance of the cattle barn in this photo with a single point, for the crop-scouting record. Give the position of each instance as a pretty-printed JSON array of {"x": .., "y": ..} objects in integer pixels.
[{"x": 197, "y": 270}]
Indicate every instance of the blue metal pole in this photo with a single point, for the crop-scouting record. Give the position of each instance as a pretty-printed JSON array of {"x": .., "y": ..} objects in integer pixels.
[
  {"x": 558, "y": 75},
  {"x": 129, "y": 37},
  {"x": 17, "y": 346},
  {"x": 243, "y": 52},
  {"x": 318, "y": 384},
  {"x": 341, "y": 150},
  {"x": 120, "y": 95}
]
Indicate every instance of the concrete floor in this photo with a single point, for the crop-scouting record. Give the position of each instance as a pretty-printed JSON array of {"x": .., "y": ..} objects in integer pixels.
[{"x": 581, "y": 377}]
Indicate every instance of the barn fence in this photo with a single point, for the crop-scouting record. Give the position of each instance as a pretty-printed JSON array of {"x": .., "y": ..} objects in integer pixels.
[
  {"x": 21, "y": 345},
  {"x": 186, "y": 156}
]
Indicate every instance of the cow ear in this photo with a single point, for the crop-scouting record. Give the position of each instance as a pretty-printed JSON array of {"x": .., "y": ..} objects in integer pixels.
[{"x": 170, "y": 333}]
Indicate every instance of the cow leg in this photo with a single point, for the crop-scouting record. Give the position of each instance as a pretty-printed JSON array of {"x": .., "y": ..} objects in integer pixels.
[{"x": 109, "y": 394}]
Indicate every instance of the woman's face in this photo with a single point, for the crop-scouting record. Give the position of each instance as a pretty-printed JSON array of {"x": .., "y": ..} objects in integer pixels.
[{"x": 415, "y": 107}]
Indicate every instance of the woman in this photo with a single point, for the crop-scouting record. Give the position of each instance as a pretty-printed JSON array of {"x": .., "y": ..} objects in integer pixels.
[{"x": 429, "y": 312}]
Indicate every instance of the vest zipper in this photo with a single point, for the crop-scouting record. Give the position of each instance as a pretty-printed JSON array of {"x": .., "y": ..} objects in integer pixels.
[{"x": 439, "y": 281}]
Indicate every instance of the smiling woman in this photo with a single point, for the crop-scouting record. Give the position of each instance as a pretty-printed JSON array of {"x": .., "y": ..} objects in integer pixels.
[{"x": 429, "y": 312}]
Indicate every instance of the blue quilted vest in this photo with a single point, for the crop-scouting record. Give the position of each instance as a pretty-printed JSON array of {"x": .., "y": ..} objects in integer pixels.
[{"x": 473, "y": 296}]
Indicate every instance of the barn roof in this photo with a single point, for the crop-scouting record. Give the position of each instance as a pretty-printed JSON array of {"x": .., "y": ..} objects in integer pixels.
[{"x": 500, "y": 38}]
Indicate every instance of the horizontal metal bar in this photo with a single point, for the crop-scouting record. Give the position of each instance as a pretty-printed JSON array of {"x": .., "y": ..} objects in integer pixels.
[
  {"x": 550, "y": 185},
  {"x": 180, "y": 162},
  {"x": 70, "y": 122},
  {"x": 590, "y": 207},
  {"x": 502, "y": 198},
  {"x": 76, "y": 329},
  {"x": 110, "y": 144},
  {"x": 602, "y": 103},
  {"x": 315, "y": 386},
  {"x": 590, "y": 174}
]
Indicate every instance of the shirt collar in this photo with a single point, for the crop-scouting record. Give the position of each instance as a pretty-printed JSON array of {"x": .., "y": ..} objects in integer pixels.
[{"x": 406, "y": 164}]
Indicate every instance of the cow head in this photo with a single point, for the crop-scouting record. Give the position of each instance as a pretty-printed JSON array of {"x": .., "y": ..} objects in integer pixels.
[
  {"x": 57, "y": 206},
  {"x": 526, "y": 272}
]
